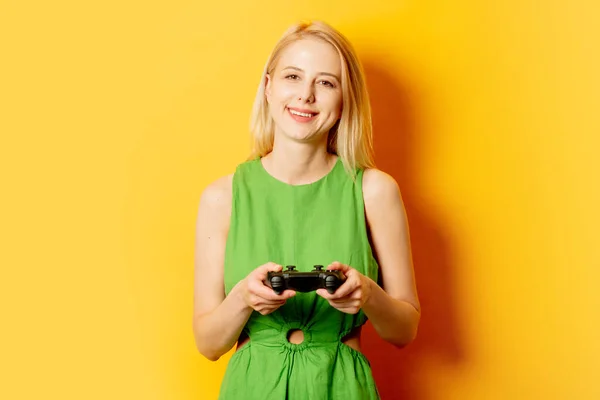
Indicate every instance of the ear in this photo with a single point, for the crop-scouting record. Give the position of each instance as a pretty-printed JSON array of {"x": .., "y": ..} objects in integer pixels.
[{"x": 268, "y": 87}]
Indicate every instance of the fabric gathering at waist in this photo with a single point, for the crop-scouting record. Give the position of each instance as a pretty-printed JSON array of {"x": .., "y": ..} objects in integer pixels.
[{"x": 313, "y": 336}]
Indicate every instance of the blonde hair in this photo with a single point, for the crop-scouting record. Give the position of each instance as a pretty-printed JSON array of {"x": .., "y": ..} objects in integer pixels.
[{"x": 351, "y": 138}]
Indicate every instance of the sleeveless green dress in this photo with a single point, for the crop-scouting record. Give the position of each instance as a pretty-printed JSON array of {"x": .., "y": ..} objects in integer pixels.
[{"x": 301, "y": 225}]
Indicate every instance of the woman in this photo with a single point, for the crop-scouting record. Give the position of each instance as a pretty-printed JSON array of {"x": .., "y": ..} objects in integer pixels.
[{"x": 308, "y": 195}]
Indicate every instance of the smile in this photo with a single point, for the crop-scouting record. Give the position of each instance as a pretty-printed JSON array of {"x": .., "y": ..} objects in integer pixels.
[{"x": 300, "y": 116}]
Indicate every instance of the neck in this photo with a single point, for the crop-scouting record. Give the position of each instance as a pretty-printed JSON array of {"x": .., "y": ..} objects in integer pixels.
[{"x": 298, "y": 163}]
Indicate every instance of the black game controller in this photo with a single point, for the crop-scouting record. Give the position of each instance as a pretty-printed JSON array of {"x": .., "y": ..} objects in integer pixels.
[{"x": 305, "y": 281}]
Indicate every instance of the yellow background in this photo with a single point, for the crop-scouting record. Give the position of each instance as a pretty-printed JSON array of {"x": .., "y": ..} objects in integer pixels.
[{"x": 115, "y": 115}]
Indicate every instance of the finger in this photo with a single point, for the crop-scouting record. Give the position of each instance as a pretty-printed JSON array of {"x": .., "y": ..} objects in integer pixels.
[
  {"x": 346, "y": 270},
  {"x": 270, "y": 303},
  {"x": 266, "y": 306},
  {"x": 262, "y": 272},
  {"x": 267, "y": 310},
  {"x": 338, "y": 266},
  {"x": 356, "y": 295},
  {"x": 257, "y": 300},
  {"x": 286, "y": 294},
  {"x": 349, "y": 310},
  {"x": 325, "y": 294},
  {"x": 343, "y": 291},
  {"x": 347, "y": 287},
  {"x": 266, "y": 292},
  {"x": 345, "y": 303}
]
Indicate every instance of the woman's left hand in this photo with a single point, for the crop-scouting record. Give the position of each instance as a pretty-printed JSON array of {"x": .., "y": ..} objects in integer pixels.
[{"x": 352, "y": 294}]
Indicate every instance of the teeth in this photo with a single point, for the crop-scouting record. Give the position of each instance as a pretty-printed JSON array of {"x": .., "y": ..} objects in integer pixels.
[{"x": 301, "y": 114}]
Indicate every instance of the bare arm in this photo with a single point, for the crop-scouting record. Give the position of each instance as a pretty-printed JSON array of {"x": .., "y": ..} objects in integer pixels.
[
  {"x": 394, "y": 310},
  {"x": 217, "y": 320}
]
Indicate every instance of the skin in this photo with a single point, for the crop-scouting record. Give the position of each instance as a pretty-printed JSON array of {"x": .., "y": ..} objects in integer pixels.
[{"x": 300, "y": 156}]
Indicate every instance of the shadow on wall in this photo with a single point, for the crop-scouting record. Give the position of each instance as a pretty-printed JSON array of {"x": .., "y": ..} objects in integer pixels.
[{"x": 398, "y": 372}]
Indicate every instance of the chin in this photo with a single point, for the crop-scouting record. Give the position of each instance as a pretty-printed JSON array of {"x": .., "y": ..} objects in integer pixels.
[{"x": 302, "y": 136}]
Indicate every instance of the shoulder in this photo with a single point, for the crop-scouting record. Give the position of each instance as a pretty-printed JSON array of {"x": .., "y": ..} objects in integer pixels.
[
  {"x": 219, "y": 192},
  {"x": 380, "y": 189},
  {"x": 216, "y": 196}
]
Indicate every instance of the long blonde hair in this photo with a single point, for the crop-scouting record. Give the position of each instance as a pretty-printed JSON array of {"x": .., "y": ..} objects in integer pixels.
[{"x": 351, "y": 138}]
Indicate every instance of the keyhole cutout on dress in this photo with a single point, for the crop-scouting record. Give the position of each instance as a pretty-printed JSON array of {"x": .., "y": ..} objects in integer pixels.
[{"x": 295, "y": 336}]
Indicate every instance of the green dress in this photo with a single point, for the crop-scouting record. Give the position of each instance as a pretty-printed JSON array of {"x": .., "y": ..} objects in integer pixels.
[{"x": 301, "y": 225}]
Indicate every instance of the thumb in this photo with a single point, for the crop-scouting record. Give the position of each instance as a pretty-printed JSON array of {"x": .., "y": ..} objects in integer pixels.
[
  {"x": 336, "y": 265},
  {"x": 272, "y": 267},
  {"x": 264, "y": 269}
]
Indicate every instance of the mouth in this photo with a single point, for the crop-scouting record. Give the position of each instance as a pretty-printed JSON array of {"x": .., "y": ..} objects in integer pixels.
[{"x": 300, "y": 116}]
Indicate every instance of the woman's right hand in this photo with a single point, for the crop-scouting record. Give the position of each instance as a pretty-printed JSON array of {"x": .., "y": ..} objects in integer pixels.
[{"x": 260, "y": 297}]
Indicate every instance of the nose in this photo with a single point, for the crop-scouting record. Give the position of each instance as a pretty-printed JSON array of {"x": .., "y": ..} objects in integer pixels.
[{"x": 307, "y": 92}]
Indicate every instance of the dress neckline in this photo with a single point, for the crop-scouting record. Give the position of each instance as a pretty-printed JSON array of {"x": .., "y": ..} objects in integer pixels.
[{"x": 280, "y": 182}]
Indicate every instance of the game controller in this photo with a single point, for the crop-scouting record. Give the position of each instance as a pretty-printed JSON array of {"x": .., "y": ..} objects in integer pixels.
[{"x": 305, "y": 281}]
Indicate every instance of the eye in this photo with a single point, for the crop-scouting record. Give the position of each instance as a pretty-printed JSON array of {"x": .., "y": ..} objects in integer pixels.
[
  {"x": 327, "y": 83},
  {"x": 292, "y": 75}
]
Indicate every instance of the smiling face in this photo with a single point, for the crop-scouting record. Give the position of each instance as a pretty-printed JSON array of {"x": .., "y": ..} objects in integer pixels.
[{"x": 304, "y": 90}]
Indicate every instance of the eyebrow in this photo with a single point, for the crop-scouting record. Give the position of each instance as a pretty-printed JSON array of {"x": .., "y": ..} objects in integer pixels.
[{"x": 320, "y": 73}]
